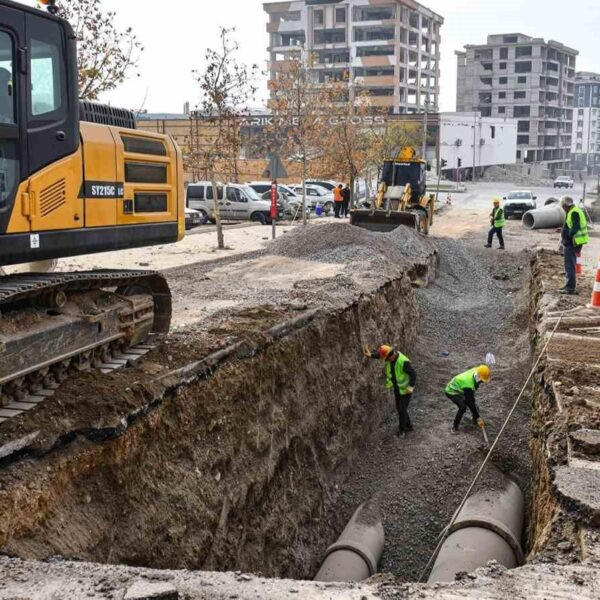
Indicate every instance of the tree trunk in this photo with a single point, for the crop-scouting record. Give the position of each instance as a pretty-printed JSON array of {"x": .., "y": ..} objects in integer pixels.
[
  {"x": 217, "y": 213},
  {"x": 304, "y": 190},
  {"x": 352, "y": 182}
]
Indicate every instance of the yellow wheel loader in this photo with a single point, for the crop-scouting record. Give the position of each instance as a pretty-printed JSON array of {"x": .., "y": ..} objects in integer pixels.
[
  {"x": 75, "y": 178},
  {"x": 401, "y": 197}
]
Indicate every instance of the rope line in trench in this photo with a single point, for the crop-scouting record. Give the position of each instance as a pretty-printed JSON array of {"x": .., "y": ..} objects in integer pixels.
[{"x": 444, "y": 533}]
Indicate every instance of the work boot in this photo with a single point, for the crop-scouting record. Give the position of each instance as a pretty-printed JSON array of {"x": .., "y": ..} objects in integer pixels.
[
  {"x": 501, "y": 248},
  {"x": 488, "y": 246},
  {"x": 569, "y": 292},
  {"x": 454, "y": 430}
]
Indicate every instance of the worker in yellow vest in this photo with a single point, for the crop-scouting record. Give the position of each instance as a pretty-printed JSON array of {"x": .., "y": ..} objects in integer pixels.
[
  {"x": 400, "y": 377},
  {"x": 461, "y": 391},
  {"x": 497, "y": 221},
  {"x": 574, "y": 236}
]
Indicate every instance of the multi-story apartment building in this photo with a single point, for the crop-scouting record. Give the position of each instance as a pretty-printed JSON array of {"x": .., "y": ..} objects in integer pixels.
[
  {"x": 532, "y": 80},
  {"x": 585, "y": 148},
  {"x": 391, "y": 48}
]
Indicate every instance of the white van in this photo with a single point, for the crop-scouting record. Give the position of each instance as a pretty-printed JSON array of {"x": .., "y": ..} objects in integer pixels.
[{"x": 236, "y": 202}]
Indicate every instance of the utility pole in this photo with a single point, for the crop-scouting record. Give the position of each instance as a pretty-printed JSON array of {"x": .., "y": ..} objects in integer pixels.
[
  {"x": 474, "y": 143},
  {"x": 424, "y": 149}
]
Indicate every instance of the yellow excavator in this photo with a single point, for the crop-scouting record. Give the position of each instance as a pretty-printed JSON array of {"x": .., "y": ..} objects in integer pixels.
[
  {"x": 75, "y": 178},
  {"x": 401, "y": 197}
]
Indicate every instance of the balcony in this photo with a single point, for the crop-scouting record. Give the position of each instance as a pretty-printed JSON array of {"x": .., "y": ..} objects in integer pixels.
[{"x": 376, "y": 81}]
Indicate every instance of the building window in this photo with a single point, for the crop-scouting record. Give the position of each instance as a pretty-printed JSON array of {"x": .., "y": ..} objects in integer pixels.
[
  {"x": 340, "y": 15},
  {"x": 503, "y": 53},
  {"x": 522, "y": 139},
  {"x": 510, "y": 39},
  {"x": 502, "y": 110},
  {"x": 523, "y": 126},
  {"x": 492, "y": 132},
  {"x": 502, "y": 95},
  {"x": 522, "y": 111},
  {"x": 503, "y": 80},
  {"x": 520, "y": 95},
  {"x": 522, "y": 79},
  {"x": 503, "y": 66},
  {"x": 318, "y": 17},
  {"x": 581, "y": 111},
  {"x": 523, "y": 66},
  {"x": 523, "y": 51}
]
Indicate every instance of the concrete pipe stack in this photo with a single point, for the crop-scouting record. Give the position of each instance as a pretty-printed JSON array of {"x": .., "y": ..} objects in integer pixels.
[
  {"x": 544, "y": 218},
  {"x": 356, "y": 554},
  {"x": 489, "y": 527}
]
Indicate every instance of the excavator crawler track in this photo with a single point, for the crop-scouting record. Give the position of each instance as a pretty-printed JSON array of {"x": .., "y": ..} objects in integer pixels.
[{"x": 53, "y": 325}]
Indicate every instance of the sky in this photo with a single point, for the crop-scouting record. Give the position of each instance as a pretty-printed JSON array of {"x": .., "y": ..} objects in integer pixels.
[{"x": 176, "y": 33}]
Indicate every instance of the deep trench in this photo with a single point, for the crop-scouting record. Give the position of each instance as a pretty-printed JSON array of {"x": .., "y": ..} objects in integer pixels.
[{"x": 258, "y": 466}]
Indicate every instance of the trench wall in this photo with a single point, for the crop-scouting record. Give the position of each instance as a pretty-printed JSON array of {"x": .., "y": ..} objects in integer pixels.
[
  {"x": 565, "y": 428},
  {"x": 227, "y": 472}
]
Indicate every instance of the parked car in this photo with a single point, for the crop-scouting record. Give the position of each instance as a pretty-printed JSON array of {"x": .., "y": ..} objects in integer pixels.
[
  {"x": 328, "y": 184},
  {"x": 193, "y": 218},
  {"x": 236, "y": 202},
  {"x": 564, "y": 181},
  {"x": 288, "y": 199},
  {"x": 518, "y": 203},
  {"x": 315, "y": 194}
]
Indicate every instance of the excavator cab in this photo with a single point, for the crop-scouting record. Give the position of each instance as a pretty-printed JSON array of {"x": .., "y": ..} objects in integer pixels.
[{"x": 401, "y": 198}]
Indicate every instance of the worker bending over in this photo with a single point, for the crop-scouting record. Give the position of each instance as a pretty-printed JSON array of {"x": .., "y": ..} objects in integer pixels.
[
  {"x": 400, "y": 377},
  {"x": 461, "y": 390},
  {"x": 497, "y": 221}
]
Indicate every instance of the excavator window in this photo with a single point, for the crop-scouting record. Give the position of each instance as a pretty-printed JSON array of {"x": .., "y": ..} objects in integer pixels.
[
  {"x": 46, "y": 88},
  {"x": 9, "y": 162}
]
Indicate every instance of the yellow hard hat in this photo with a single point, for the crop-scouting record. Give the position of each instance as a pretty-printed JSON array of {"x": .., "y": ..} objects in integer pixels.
[
  {"x": 484, "y": 373},
  {"x": 496, "y": 200},
  {"x": 385, "y": 351}
]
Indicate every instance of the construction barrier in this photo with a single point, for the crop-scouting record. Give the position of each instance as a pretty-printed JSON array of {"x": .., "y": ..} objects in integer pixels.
[{"x": 596, "y": 291}]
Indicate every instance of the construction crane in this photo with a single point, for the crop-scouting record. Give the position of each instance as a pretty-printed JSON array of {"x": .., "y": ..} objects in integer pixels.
[
  {"x": 75, "y": 178},
  {"x": 401, "y": 196}
]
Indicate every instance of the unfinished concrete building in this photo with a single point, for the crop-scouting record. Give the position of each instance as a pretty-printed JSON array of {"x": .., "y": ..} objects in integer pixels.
[
  {"x": 391, "y": 48},
  {"x": 529, "y": 79},
  {"x": 585, "y": 148}
]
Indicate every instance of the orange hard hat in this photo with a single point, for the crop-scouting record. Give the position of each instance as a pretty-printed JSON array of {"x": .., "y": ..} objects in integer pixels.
[{"x": 385, "y": 351}]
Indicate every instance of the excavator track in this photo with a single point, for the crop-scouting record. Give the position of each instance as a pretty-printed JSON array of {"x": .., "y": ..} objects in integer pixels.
[{"x": 52, "y": 325}]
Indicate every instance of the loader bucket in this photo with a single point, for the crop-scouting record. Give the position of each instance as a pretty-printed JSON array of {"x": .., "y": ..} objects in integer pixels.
[{"x": 382, "y": 221}]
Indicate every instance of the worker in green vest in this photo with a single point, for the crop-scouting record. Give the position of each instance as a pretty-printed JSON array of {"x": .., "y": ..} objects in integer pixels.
[
  {"x": 461, "y": 391},
  {"x": 400, "y": 377},
  {"x": 498, "y": 221},
  {"x": 574, "y": 236}
]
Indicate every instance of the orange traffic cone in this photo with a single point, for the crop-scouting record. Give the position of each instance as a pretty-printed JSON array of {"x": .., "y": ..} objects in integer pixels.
[
  {"x": 596, "y": 292},
  {"x": 579, "y": 267}
]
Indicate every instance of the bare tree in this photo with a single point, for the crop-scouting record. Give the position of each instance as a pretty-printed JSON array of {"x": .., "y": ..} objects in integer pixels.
[
  {"x": 106, "y": 55},
  {"x": 350, "y": 119},
  {"x": 226, "y": 89},
  {"x": 299, "y": 110}
]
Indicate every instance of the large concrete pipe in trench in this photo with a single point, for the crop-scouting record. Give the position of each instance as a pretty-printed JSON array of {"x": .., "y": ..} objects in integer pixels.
[
  {"x": 544, "y": 218},
  {"x": 488, "y": 527},
  {"x": 354, "y": 557}
]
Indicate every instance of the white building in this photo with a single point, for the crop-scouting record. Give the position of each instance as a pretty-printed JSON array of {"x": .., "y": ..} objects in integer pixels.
[
  {"x": 468, "y": 139},
  {"x": 585, "y": 143},
  {"x": 391, "y": 48}
]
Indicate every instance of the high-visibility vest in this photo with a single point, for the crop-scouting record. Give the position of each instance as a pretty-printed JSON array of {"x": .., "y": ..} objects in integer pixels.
[
  {"x": 462, "y": 382},
  {"x": 582, "y": 236},
  {"x": 498, "y": 216},
  {"x": 337, "y": 195},
  {"x": 402, "y": 379}
]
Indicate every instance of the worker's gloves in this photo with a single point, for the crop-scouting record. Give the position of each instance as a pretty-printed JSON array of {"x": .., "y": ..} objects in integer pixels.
[
  {"x": 480, "y": 423},
  {"x": 410, "y": 390},
  {"x": 368, "y": 352}
]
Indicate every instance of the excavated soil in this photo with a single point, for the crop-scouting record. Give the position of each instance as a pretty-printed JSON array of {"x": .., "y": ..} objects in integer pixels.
[{"x": 256, "y": 459}]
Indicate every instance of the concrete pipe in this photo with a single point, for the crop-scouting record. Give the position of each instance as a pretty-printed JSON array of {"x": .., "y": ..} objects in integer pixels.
[
  {"x": 544, "y": 218},
  {"x": 354, "y": 557},
  {"x": 488, "y": 527}
]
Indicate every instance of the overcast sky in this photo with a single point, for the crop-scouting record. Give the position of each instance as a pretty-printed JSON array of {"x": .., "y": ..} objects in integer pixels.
[{"x": 175, "y": 34}]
